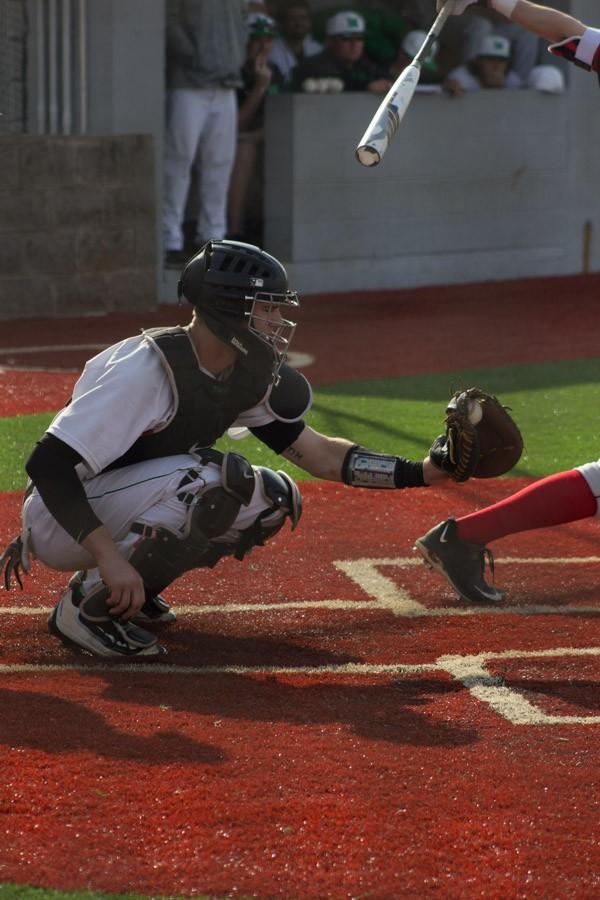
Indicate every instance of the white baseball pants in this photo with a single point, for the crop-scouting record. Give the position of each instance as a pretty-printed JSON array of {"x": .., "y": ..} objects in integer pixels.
[
  {"x": 146, "y": 493},
  {"x": 202, "y": 129}
]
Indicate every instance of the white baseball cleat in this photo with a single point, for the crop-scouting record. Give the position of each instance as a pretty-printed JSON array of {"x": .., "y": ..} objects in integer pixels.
[{"x": 113, "y": 639}]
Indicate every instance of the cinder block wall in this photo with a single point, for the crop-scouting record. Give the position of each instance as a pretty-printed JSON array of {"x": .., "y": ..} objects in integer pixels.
[{"x": 77, "y": 225}]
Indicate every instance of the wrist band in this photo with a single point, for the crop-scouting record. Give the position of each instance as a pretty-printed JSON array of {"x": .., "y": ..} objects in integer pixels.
[
  {"x": 369, "y": 469},
  {"x": 505, "y": 7}
]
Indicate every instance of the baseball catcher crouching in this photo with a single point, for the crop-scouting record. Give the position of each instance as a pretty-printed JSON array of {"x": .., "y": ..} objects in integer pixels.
[
  {"x": 125, "y": 488},
  {"x": 202, "y": 508}
]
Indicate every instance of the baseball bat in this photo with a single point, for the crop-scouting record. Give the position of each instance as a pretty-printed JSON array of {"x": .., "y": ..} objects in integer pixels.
[{"x": 385, "y": 122}]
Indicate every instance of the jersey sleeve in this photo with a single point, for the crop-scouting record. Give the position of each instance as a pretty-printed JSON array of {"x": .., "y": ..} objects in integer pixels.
[{"x": 122, "y": 393}]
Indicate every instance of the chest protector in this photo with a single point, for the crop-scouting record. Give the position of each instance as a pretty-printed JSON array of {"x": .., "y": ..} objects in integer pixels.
[{"x": 204, "y": 407}]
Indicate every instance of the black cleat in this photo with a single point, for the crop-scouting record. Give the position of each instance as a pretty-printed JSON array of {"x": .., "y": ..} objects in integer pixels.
[
  {"x": 460, "y": 562},
  {"x": 155, "y": 611}
]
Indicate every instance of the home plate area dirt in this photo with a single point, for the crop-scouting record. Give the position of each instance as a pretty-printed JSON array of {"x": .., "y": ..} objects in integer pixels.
[{"x": 330, "y": 721}]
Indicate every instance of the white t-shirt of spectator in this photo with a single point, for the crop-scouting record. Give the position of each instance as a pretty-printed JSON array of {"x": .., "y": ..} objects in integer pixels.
[
  {"x": 285, "y": 60},
  {"x": 469, "y": 82},
  {"x": 122, "y": 393}
]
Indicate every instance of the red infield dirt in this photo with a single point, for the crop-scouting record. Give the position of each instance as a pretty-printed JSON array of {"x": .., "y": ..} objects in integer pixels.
[{"x": 331, "y": 721}]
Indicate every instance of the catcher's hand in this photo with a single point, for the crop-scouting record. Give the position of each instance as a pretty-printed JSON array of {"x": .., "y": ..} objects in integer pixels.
[
  {"x": 13, "y": 561},
  {"x": 481, "y": 438}
]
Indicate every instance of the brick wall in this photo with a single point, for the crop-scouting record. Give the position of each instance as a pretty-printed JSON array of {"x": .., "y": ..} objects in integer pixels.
[{"x": 77, "y": 225}]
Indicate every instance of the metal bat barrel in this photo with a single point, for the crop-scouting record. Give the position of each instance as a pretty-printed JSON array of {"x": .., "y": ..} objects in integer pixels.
[{"x": 385, "y": 122}]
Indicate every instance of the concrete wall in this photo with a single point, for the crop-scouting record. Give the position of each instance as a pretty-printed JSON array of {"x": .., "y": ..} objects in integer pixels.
[
  {"x": 487, "y": 186},
  {"x": 126, "y": 82},
  {"x": 77, "y": 225}
]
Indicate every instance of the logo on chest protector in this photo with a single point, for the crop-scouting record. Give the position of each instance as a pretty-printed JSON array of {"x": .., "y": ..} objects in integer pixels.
[{"x": 239, "y": 346}]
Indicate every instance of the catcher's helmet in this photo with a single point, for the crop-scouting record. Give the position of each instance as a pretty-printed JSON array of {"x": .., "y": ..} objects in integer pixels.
[{"x": 236, "y": 288}]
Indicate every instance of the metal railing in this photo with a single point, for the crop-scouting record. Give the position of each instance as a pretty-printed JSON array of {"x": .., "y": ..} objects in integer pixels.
[{"x": 59, "y": 43}]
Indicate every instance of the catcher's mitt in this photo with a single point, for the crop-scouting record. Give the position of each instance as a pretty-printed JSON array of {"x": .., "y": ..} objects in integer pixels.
[{"x": 481, "y": 438}]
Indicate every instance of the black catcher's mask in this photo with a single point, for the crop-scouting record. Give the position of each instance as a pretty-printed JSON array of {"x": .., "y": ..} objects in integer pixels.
[{"x": 240, "y": 292}]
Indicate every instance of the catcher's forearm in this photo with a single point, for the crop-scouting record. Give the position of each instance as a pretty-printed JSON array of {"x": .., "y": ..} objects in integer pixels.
[
  {"x": 548, "y": 23},
  {"x": 369, "y": 469}
]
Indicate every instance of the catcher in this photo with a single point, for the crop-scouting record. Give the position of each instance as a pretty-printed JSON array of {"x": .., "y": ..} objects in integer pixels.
[{"x": 125, "y": 489}]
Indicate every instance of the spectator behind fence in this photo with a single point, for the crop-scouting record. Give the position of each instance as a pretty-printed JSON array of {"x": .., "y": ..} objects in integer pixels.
[
  {"x": 342, "y": 64},
  {"x": 525, "y": 47},
  {"x": 408, "y": 49},
  {"x": 547, "y": 79},
  {"x": 205, "y": 51},
  {"x": 459, "y": 38},
  {"x": 294, "y": 42},
  {"x": 260, "y": 77},
  {"x": 489, "y": 69}
]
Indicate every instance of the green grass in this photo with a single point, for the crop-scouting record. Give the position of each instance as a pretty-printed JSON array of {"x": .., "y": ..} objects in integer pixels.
[{"x": 555, "y": 405}]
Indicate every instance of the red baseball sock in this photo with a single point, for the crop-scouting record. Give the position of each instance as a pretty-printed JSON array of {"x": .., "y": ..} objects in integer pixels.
[{"x": 559, "y": 498}]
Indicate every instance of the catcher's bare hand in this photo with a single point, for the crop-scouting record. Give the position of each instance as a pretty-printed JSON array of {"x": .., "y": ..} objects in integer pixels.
[{"x": 126, "y": 586}]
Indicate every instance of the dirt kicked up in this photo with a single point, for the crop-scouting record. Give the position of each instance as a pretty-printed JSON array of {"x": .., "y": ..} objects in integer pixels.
[{"x": 331, "y": 721}]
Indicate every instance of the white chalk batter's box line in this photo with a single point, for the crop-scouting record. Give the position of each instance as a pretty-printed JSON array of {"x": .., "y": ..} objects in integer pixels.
[
  {"x": 365, "y": 572},
  {"x": 384, "y": 593},
  {"x": 470, "y": 670}
]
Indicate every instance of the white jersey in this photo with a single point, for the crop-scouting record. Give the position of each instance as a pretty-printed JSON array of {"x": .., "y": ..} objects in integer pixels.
[{"x": 122, "y": 393}]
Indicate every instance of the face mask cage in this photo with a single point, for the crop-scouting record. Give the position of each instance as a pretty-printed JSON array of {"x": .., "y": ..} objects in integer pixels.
[{"x": 265, "y": 319}]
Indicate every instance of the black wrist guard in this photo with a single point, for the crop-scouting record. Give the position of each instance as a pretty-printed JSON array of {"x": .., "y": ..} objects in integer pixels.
[{"x": 368, "y": 469}]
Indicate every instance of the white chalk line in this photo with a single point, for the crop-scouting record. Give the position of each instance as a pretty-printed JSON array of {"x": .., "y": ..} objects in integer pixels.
[
  {"x": 470, "y": 670},
  {"x": 223, "y": 608},
  {"x": 384, "y": 594},
  {"x": 366, "y": 573},
  {"x": 357, "y": 606}
]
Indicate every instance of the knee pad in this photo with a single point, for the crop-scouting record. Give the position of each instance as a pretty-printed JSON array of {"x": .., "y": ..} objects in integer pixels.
[{"x": 285, "y": 502}]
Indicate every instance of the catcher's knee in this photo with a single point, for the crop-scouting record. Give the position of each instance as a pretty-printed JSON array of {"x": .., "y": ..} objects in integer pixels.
[{"x": 280, "y": 500}]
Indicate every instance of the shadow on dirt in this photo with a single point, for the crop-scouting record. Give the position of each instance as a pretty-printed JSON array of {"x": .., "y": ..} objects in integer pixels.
[{"x": 60, "y": 725}]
